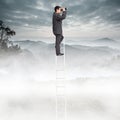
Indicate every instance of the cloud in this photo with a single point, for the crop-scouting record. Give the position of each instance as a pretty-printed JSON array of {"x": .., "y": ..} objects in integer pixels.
[
  {"x": 24, "y": 12},
  {"x": 29, "y": 13},
  {"x": 100, "y": 11}
]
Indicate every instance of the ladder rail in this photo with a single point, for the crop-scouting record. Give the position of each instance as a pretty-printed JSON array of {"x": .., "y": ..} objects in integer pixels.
[{"x": 60, "y": 88}]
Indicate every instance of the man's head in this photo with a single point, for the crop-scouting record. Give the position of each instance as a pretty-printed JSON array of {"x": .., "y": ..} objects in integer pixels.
[{"x": 57, "y": 9}]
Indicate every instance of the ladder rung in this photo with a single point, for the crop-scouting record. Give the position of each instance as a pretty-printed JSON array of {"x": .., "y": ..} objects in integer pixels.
[
  {"x": 60, "y": 91},
  {"x": 60, "y": 82},
  {"x": 60, "y": 86},
  {"x": 61, "y": 75},
  {"x": 62, "y": 78},
  {"x": 59, "y": 69},
  {"x": 58, "y": 78},
  {"x": 60, "y": 66},
  {"x": 61, "y": 96}
]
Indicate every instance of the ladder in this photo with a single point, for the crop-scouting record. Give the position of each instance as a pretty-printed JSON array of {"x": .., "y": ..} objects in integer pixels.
[{"x": 60, "y": 86}]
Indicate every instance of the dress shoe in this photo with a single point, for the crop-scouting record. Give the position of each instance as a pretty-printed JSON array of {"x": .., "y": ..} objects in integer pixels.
[{"x": 60, "y": 54}]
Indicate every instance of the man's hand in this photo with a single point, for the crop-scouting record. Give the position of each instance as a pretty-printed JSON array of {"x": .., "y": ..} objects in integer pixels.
[{"x": 63, "y": 9}]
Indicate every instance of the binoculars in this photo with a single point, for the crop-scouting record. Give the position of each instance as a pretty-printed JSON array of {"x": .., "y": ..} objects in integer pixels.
[{"x": 62, "y": 9}]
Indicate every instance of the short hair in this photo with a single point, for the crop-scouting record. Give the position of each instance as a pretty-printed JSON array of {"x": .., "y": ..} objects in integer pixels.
[{"x": 56, "y": 7}]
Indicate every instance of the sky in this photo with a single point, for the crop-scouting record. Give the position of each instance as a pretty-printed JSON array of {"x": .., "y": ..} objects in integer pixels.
[{"x": 32, "y": 19}]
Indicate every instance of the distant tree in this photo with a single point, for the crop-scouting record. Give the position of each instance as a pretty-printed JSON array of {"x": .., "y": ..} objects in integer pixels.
[{"x": 5, "y": 33}]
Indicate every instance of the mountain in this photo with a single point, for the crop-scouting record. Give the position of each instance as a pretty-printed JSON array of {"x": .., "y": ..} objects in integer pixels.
[
  {"x": 29, "y": 43},
  {"x": 39, "y": 46},
  {"x": 105, "y": 40},
  {"x": 35, "y": 47},
  {"x": 44, "y": 51}
]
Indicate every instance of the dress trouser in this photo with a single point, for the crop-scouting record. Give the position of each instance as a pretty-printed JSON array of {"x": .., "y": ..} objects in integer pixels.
[{"x": 59, "y": 38}]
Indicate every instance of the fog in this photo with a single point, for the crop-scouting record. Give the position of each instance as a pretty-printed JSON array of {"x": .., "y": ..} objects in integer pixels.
[{"x": 27, "y": 81}]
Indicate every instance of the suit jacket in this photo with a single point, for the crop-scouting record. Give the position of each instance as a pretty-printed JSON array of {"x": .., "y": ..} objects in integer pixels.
[{"x": 57, "y": 22}]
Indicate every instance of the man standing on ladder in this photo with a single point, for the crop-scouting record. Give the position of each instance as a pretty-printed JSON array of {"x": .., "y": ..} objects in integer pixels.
[{"x": 58, "y": 16}]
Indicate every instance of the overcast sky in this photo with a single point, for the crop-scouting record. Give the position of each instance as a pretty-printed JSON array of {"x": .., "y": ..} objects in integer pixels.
[{"x": 32, "y": 19}]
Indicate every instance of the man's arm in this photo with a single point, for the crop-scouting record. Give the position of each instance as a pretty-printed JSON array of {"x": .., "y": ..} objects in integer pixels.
[{"x": 61, "y": 17}]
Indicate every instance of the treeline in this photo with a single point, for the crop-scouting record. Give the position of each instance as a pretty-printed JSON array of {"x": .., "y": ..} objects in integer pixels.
[{"x": 5, "y": 33}]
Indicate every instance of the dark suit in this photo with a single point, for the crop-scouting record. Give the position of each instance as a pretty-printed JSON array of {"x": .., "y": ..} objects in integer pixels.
[{"x": 57, "y": 29}]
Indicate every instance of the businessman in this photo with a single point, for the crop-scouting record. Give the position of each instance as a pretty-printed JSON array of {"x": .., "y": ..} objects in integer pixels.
[{"x": 58, "y": 15}]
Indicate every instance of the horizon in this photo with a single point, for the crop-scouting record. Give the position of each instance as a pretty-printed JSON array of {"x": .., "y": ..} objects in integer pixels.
[{"x": 76, "y": 39}]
